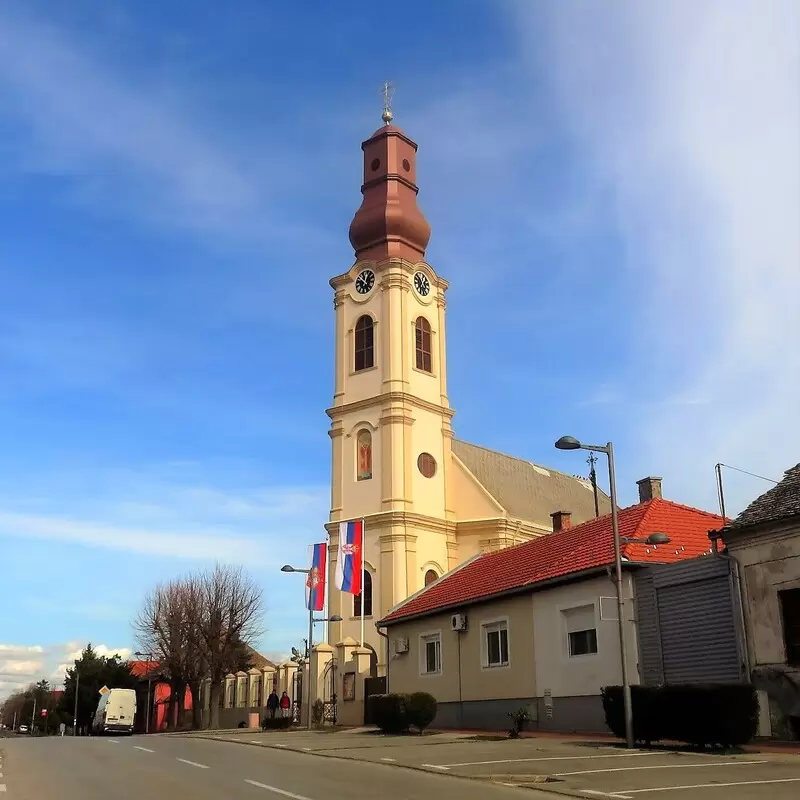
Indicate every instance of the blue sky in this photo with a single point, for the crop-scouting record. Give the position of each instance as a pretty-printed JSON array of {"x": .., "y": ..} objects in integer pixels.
[{"x": 613, "y": 191}]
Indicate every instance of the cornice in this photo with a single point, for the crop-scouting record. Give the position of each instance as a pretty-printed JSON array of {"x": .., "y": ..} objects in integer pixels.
[
  {"x": 387, "y": 399},
  {"x": 409, "y": 267}
]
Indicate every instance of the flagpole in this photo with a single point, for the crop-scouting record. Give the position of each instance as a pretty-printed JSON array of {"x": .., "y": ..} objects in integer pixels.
[{"x": 363, "y": 561}]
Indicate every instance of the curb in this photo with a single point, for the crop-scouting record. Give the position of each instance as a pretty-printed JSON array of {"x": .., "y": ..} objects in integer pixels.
[{"x": 474, "y": 778}]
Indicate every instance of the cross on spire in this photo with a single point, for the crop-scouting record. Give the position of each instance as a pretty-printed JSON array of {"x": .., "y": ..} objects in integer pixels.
[{"x": 387, "y": 90}]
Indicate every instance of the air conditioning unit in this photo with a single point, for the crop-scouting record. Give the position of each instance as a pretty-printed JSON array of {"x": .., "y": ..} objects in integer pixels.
[
  {"x": 458, "y": 622},
  {"x": 401, "y": 645}
]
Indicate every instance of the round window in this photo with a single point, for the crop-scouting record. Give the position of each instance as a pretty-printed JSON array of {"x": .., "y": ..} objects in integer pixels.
[
  {"x": 376, "y": 162},
  {"x": 406, "y": 165},
  {"x": 426, "y": 464}
]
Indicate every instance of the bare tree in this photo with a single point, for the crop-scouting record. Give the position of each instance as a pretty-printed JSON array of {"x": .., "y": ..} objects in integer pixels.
[{"x": 230, "y": 607}]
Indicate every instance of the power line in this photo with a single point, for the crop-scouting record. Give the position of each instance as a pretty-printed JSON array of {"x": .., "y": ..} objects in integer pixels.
[{"x": 745, "y": 472}]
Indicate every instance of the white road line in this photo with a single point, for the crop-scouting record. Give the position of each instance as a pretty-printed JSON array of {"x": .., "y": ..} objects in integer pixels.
[
  {"x": 192, "y": 763},
  {"x": 545, "y": 758},
  {"x": 307, "y": 749},
  {"x": 279, "y": 745},
  {"x": 2, "y": 787},
  {"x": 112, "y": 741},
  {"x": 276, "y": 790},
  {"x": 145, "y": 749},
  {"x": 710, "y": 786},
  {"x": 436, "y": 766},
  {"x": 660, "y": 766},
  {"x": 393, "y": 759},
  {"x": 596, "y": 793}
]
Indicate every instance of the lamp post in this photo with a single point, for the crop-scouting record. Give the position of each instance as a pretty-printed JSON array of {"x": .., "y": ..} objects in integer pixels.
[
  {"x": 311, "y": 620},
  {"x": 75, "y": 710},
  {"x": 149, "y": 657},
  {"x": 571, "y": 443}
]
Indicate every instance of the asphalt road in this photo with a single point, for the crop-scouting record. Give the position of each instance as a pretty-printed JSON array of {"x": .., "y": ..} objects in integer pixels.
[{"x": 137, "y": 768}]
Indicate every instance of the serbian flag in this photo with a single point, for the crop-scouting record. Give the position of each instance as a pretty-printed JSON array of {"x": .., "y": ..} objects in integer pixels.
[
  {"x": 315, "y": 584},
  {"x": 349, "y": 564}
]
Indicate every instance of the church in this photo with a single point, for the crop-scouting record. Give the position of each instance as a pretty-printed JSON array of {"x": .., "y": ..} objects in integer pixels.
[{"x": 429, "y": 501}]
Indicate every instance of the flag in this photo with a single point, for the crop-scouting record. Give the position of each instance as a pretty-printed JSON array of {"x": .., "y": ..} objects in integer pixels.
[
  {"x": 315, "y": 584},
  {"x": 349, "y": 564}
]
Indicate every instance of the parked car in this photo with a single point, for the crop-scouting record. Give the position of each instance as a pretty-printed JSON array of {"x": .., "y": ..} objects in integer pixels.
[{"x": 22, "y": 729}]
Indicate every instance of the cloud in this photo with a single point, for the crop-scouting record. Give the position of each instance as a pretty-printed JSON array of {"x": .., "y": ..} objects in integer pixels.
[{"x": 685, "y": 118}]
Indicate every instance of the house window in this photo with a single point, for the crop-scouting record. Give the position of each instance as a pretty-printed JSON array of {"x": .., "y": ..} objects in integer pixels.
[
  {"x": 422, "y": 331},
  {"x": 790, "y": 613},
  {"x": 495, "y": 644},
  {"x": 364, "y": 455},
  {"x": 430, "y": 577},
  {"x": 430, "y": 654},
  {"x": 366, "y": 595},
  {"x": 581, "y": 630},
  {"x": 256, "y": 697},
  {"x": 229, "y": 698},
  {"x": 365, "y": 343}
]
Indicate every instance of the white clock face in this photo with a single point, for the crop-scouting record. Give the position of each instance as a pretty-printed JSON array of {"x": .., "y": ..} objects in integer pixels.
[
  {"x": 365, "y": 281},
  {"x": 422, "y": 284}
]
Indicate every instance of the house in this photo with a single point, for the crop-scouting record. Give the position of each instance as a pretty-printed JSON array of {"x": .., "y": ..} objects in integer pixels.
[
  {"x": 535, "y": 626},
  {"x": 765, "y": 541}
]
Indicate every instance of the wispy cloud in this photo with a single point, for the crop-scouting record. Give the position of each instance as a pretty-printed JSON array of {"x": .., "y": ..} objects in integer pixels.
[{"x": 688, "y": 117}]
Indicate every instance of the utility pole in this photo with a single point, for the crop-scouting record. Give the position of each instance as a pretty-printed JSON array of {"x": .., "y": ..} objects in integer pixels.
[
  {"x": 33, "y": 717},
  {"x": 75, "y": 713}
]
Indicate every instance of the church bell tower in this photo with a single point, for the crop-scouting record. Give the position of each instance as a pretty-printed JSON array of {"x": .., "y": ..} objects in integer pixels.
[{"x": 390, "y": 419}]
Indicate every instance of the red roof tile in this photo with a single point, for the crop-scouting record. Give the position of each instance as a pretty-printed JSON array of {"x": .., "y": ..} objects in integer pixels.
[
  {"x": 141, "y": 669},
  {"x": 583, "y": 547}
]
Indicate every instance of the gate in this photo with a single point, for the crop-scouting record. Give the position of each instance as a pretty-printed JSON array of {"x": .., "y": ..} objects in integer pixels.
[{"x": 372, "y": 686}]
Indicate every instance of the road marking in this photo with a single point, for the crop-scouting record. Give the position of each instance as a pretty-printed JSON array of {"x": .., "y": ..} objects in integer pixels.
[
  {"x": 710, "y": 786},
  {"x": 112, "y": 741},
  {"x": 307, "y": 749},
  {"x": 436, "y": 766},
  {"x": 596, "y": 793},
  {"x": 276, "y": 790},
  {"x": 192, "y": 763},
  {"x": 660, "y": 766},
  {"x": 2, "y": 787},
  {"x": 145, "y": 749},
  {"x": 279, "y": 745},
  {"x": 545, "y": 758},
  {"x": 394, "y": 759}
]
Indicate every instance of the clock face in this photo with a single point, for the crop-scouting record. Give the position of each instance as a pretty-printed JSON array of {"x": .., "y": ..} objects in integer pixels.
[
  {"x": 365, "y": 281},
  {"x": 422, "y": 284}
]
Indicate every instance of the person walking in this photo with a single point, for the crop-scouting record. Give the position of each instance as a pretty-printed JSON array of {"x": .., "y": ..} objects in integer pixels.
[
  {"x": 286, "y": 705},
  {"x": 272, "y": 703}
]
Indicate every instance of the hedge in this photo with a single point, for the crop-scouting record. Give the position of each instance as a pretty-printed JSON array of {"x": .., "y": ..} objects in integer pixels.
[
  {"x": 276, "y": 723},
  {"x": 396, "y": 713},
  {"x": 721, "y": 714}
]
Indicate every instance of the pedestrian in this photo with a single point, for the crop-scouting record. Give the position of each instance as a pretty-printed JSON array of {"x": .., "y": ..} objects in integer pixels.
[
  {"x": 272, "y": 703},
  {"x": 286, "y": 705}
]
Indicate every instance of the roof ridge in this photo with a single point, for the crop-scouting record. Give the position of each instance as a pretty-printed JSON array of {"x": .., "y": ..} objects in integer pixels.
[
  {"x": 685, "y": 507},
  {"x": 526, "y": 461}
]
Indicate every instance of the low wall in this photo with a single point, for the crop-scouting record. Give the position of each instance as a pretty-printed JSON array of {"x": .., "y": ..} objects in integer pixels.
[{"x": 232, "y": 717}]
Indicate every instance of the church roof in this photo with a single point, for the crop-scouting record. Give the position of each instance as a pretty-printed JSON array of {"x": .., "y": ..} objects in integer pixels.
[
  {"x": 528, "y": 491},
  {"x": 576, "y": 550},
  {"x": 779, "y": 503}
]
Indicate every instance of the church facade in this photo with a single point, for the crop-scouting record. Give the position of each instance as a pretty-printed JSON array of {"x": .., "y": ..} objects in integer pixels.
[{"x": 429, "y": 501}]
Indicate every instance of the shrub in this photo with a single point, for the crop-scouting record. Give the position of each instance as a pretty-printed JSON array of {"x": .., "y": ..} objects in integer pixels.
[
  {"x": 276, "y": 723},
  {"x": 317, "y": 712},
  {"x": 389, "y": 712},
  {"x": 420, "y": 709},
  {"x": 700, "y": 714},
  {"x": 519, "y": 719}
]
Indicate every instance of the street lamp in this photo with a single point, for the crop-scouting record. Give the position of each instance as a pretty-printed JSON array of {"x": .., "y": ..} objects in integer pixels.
[
  {"x": 571, "y": 443},
  {"x": 149, "y": 678},
  {"x": 311, "y": 620}
]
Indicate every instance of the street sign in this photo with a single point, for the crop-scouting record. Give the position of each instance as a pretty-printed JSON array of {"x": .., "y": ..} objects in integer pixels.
[
  {"x": 105, "y": 690},
  {"x": 44, "y": 712}
]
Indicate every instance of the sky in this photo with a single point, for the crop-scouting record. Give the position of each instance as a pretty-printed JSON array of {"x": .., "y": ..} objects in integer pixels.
[{"x": 614, "y": 193}]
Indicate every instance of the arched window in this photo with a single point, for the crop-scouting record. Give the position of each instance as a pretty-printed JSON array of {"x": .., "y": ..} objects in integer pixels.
[
  {"x": 365, "y": 343},
  {"x": 256, "y": 698},
  {"x": 366, "y": 595},
  {"x": 430, "y": 577},
  {"x": 422, "y": 331},
  {"x": 364, "y": 455}
]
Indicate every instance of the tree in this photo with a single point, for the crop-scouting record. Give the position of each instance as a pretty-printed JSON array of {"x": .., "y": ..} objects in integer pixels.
[
  {"x": 95, "y": 671},
  {"x": 228, "y": 620}
]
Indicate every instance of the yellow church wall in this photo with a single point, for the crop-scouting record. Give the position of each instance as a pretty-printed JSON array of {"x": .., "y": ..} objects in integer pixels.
[{"x": 470, "y": 499}]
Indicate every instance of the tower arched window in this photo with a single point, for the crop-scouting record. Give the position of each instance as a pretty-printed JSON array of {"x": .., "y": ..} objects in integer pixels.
[
  {"x": 430, "y": 577},
  {"x": 422, "y": 336},
  {"x": 364, "y": 455},
  {"x": 365, "y": 343},
  {"x": 365, "y": 597}
]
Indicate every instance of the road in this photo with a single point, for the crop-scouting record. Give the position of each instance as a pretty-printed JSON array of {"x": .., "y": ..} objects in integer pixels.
[{"x": 174, "y": 768}]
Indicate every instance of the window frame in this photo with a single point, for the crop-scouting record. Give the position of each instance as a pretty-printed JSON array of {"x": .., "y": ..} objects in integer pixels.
[
  {"x": 368, "y": 331},
  {"x": 491, "y": 626},
  {"x": 568, "y": 634},
  {"x": 424, "y": 639},
  {"x": 421, "y": 331}
]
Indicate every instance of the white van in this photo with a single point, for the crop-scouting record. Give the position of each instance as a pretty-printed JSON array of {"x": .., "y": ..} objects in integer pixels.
[{"x": 115, "y": 713}]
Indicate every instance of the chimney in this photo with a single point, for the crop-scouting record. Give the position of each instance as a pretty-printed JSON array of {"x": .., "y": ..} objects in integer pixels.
[
  {"x": 649, "y": 489},
  {"x": 562, "y": 520}
]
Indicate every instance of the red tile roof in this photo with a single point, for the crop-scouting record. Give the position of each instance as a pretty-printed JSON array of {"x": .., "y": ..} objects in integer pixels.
[
  {"x": 141, "y": 669},
  {"x": 557, "y": 555}
]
